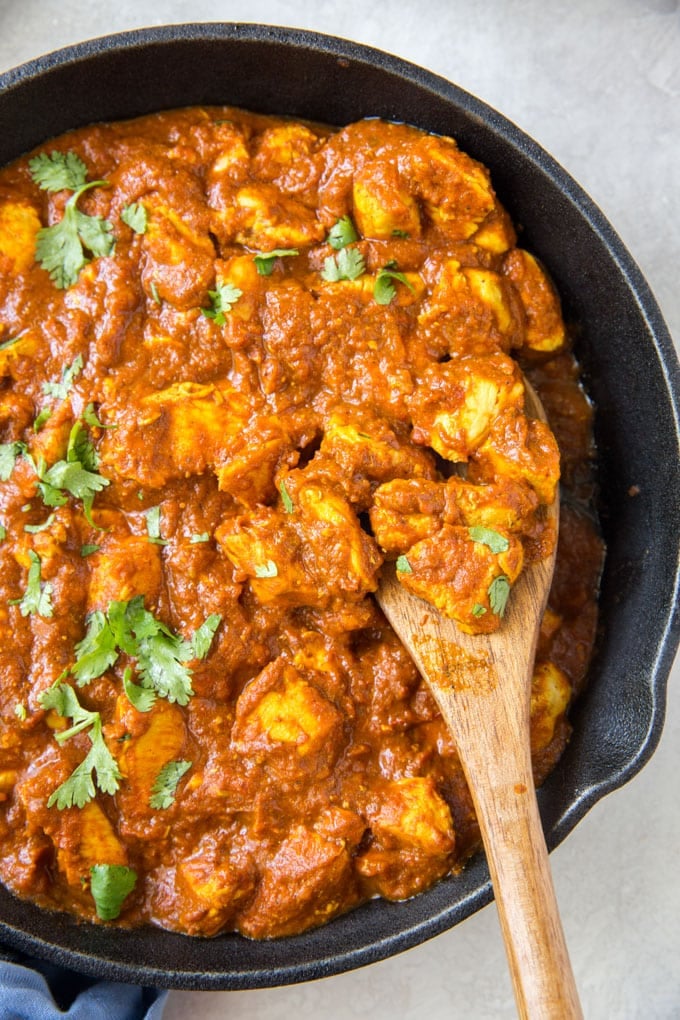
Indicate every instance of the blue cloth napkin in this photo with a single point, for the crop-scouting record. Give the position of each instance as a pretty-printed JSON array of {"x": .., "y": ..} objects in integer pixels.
[{"x": 34, "y": 990}]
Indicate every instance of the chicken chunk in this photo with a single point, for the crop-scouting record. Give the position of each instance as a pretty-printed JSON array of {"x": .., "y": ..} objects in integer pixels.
[
  {"x": 145, "y": 754},
  {"x": 307, "y": 881},
  {"x": 125, "y": 565},
  {"x": 179, "y": 257},
  {"x": 456, "y": 404},
  {"x": 412, "y": 814},
  {"x": 365, "y": 452},
  {"x": 520, "y": 449},
  {"x": 544, "y": 326},
  {"x": 268, "y": 220},
  {"x": 550, "y": 697},
  {"x": 307, "y": 557},
  {"x": 187, "y": 425},
  {"x": 382, "y": 203},
  {"x": 210, "y": 886},
  {"x": 282, "y": 709},
  {"x": 19, "y": 225},
  {"x": 463, "y": 577},
  {"x": 465, "y": 296},
  {"x": 287, "y": 156}
]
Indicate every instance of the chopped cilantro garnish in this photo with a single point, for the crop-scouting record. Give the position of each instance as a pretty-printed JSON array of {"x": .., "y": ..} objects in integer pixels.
[
  {"x": 342, "y": 233},
  {"x": 77, "y": 475},
  {"x": 265, "y": 260},
  {"x": 88, "y": 549},
  {"x": 110, "y": 885},
  {"x": 98, "y": 766},
  {"x": 153, "y": 525},
  {"x": 90, "y": 418},
  {"x": 3, "y": 532},
  {"x": 403, "y": 565},
  {"x": 62, "y": 248},
  {"x": 42, "y": 418},
  {"x": 9, "y": 342},
  {"x": 222, "y": 300},
  {"x": 384, "y": 290},
  {"x": 268, "y": 569},
  {"x": 161, "y": 656},
  {"x": 203, "y": 636},
  {"x": 60, "y": 390},
  {"x": 498, "y": 593},
  {"x": 140, "y": 698},
  {"x": 20, "y": 711},
  {"x": 62, "y": 171},
  {"x": 38, "y": 595},
  {"x": 288, "y": 505},
  {"x": 203, "y": 537},
  {"x": 33, "y": 529},
  {"x": 9, "y": 453},
  {"x": 348, "y": 264},
  {"x": 496, "y": 542},
  {"x": 165, "y": 787},
  {"x": 135, "y": 216},
  {"x": 154, "y": 292},
  {"x": 478, "y": 609}
]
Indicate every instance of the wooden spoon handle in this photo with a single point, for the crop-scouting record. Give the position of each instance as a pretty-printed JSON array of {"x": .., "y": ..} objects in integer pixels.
[{"x": 501, "y": 782}]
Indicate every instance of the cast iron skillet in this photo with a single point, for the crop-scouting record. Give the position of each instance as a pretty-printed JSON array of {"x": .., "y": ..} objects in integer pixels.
[{"x": 631, "y": 372}]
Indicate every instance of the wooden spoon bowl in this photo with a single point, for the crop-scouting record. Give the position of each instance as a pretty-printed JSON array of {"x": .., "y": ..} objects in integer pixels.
[{"x": 482, "y": 685}]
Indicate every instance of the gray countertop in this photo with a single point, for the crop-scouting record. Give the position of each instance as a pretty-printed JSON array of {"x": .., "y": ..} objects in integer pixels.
[{"x": 596, "y": 83}]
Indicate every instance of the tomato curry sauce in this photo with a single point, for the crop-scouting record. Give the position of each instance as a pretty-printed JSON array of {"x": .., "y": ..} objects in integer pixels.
[{"x": 245, "y": 361}]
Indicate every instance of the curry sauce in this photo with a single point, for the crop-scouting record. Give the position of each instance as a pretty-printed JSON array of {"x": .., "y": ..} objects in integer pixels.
[{"x": 245, "y": 361}]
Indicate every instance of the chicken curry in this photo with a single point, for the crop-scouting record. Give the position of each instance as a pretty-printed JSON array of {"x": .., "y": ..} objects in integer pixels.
[{"x": 245, "y": 361}]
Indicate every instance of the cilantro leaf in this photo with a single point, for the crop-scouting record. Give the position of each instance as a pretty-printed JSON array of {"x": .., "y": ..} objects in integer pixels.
[
  {"x": 165, "y": 787},
  {"x": 77, "y": 475},
  {"x": 223, "y": 298},
  {"x": 265, "y": 260},
  {"x": 342, "y": 233},
  {"x": 88, "y": 549},
  {"x": 203, "y": 636},
  {"x": 69, "y": 373},
  {"x": 162, "y": 666},
  {"x": 97, "y": 651},
  {"x": 288, "y": 504},
  {"x": 348, "y": 264},
  {"x": 478, "y": 609},
  {"x": 59, "y": 172},
  {"x": 496, "y": 542},
  {"x": 403, "y": 565},
  {"x": 140, "y": 698},
  {"x": 135, "y": 216},
  {"x": 153, "y": 525},
  {"x": 90, "y": 418},
  {"x": 110, "y": 885},
  {"x": 162, "y": 656},
  {"x": 268, "y": 569},
  {"x": 204, "y": 536},
  {"x": 9, "y": 453},
  {"x": 384, "y": 290},
  {"x": 80, "y": 788},
  {"x": 34, "y": 529},
  {"x": 498, "y": 592},
  {"x": 62, "y": 248},
  {"x": 38, "y": 595}
]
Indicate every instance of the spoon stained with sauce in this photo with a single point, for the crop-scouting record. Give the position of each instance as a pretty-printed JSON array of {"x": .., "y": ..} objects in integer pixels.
[{"x": 482, "y": 685}]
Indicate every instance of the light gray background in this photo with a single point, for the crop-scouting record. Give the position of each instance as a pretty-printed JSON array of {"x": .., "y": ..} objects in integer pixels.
[{"x": 597, "y": 83}]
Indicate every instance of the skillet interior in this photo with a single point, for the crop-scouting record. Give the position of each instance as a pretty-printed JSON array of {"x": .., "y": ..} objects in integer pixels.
[{"x": 631, "y": 372}]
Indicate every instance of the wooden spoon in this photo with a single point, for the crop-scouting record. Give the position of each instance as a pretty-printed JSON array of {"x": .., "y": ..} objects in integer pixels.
[{"x": 482, "y": 684}]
